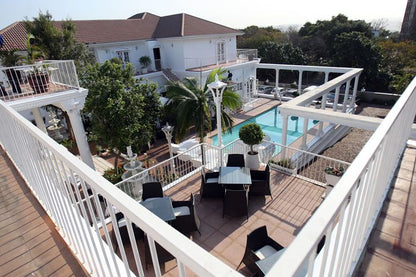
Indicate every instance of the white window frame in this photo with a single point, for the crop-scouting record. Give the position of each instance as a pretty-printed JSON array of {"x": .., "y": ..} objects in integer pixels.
[
  {"x": 124, "y": 55},
  {"x": 220, "y": 51}
]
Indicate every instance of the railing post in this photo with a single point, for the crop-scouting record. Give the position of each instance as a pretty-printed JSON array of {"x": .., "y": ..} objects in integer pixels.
[
  {"x": 335, "y": 105},
  {"x": 346, "y": 93}
]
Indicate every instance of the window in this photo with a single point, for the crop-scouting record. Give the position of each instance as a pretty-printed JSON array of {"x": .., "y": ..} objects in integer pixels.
[
  {"x": 124, "y": 57},
  {"x": 221, "y": 52}
]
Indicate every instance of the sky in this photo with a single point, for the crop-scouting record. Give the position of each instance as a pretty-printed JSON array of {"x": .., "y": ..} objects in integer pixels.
[{"x": 232, "y": 13}]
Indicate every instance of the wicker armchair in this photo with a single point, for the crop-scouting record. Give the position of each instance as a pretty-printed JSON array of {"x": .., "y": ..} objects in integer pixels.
[
  {"x": 257, "y": 241},
  {"x": 235, "y": 202},
  {"x": 260, "y": 182},
  {"x": 187, "y": 220},
  {"x": 152, "y": 190},
  {"x": 209, "y": 185},
  {"x": 235, "y": 160}
]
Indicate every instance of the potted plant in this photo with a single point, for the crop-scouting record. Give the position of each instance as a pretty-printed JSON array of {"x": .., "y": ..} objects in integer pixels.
[
  {"x": 252, "y": 134},
  {"x": 145, "y": 62},
  {"x": 332, "y": 176},
  {"x": 39, "y": 74}
]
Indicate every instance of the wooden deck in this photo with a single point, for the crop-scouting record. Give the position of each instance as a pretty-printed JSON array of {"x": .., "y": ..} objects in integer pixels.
[{"x": 29, "y": 243}]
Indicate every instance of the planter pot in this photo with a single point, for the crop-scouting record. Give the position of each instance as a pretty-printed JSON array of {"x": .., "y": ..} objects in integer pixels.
[
  {"x": 253, "y": 161},
  {"x": 144, "y": 70},
  {"x": 332, "y": 179},
  {"x": 39, "y": 82}
]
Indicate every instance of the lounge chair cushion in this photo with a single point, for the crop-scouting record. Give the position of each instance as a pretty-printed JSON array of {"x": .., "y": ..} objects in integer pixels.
[
  {"x": 265, "y": 252},
  {"x": 181, "y": 211},
  {"x": 212, "y": 181}
]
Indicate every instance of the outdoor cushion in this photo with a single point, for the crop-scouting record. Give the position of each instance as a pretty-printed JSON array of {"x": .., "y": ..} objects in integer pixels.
[
  {"x": 265, "y": 252},
  {"x": 122, "y": 222},
  {"x": 212, "y": 181},
  {"x": 151, "y": 198},
  {"x": 181, "y": 211}
]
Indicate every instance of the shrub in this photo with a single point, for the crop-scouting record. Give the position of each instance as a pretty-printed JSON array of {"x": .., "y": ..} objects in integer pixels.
[{"x": 251, "y": 134}]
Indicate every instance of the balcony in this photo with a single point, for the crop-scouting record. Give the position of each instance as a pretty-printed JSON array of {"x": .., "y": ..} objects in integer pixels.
[
  {"x": 209, "y": 63},
  {"x": 73, "y": 196},
  {"x": 43, "y": 78}
]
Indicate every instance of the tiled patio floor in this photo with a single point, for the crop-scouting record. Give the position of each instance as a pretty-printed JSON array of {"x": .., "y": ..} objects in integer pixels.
[{"x": 293, "y": 202}]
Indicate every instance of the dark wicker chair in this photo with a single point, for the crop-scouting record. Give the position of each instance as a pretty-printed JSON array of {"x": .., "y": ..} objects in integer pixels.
[
  {"x": 122, "y": 227},
  {"x": 235, "y": 160},
  {"x": 210, "y": 186},
  {"x": 162, "y": 254},
  {"x": 187, "y": 220},
  {"x": 152, "y": 190},
  {"x": 235, "y": 202},
  {"x": 256, "y": 240},
  {"x": 260, "y": 182}
]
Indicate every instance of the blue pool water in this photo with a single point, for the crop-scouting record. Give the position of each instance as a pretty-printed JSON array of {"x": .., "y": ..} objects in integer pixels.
[{"x": 271, "y": 124}]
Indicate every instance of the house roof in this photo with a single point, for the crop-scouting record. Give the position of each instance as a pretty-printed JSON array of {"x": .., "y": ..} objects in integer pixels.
[
  {"x": 140, "y": 26},
  {"x": 14, "y": 37}
]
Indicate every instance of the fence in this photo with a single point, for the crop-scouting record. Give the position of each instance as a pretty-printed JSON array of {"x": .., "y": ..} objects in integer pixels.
[
  {"x": 85, "y": 208},
  {"x": 346, "y": 218},
  {"x": 39, "y": 78}
]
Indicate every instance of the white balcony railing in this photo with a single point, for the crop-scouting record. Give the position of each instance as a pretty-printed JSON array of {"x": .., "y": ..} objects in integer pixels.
[
  {"x": 348, "y": 215},
  {"x": 83, "y": 205},
  {"x": 40, "y": 78},
  {"x": 242, "y": 56}
]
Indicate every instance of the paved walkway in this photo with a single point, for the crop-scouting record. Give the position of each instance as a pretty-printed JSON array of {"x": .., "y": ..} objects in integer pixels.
[
  {"x": 392, "y": 247},
  {"x": 29, "y": 243}
]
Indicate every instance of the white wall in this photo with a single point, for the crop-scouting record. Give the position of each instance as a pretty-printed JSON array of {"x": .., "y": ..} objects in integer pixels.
[
  {"x": 171, "y": 52},
  {"x": 106, "y": 52}
]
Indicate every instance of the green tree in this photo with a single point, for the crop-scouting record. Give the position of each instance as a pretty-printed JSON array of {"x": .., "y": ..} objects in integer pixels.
[
  {"x": 58, "y": 43},
  {"x": 192, "y": 105},
  {"x": 286, "y": 53},
  {"x": 354, "y": 49},
  {"x": 254, "y": 36},
  {"x": 123, "y": 110},
  {"x": 399, "y": 60},
  {"x": 320, "y": 36}
]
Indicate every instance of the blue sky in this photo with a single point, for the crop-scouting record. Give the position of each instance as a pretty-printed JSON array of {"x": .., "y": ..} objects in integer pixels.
[{"x": 232, "y": 13}]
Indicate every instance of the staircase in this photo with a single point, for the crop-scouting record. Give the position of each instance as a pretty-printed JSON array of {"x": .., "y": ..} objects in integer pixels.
[{"x": 169, "y": 75}]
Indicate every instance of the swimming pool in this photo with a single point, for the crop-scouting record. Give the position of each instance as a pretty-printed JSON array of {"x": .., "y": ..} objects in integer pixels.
[{"x": 271, "y": 124}]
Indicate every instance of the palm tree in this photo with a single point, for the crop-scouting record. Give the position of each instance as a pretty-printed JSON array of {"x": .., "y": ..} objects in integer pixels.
[{"x": 192, "y": 105}]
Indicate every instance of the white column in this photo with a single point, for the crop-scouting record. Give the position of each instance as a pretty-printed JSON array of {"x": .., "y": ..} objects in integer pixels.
[
  {"x": 305, "y": 133},
  {"x": 300, "y": 82},
  {"x": 346, "y": 94},
  {"x": 39, "y": 120},
  {"x": 73, "y": 108},
  {"x": 284, "y": 134}
]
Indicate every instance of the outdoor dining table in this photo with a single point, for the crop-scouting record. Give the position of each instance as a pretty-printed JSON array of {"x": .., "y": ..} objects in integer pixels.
[
  {"x": 161, "y": 206},
  {"x": 231, "y": 175}
]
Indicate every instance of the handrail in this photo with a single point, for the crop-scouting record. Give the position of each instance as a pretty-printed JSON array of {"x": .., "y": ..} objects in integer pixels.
[
  {"x": 48, "y": 169},
  {"x": 356, "y": 201}
]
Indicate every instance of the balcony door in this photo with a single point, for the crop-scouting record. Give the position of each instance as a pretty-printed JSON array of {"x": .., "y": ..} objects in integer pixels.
[
  {"x": 221, "y": 52},
  {"x": 124, "y": 57}
]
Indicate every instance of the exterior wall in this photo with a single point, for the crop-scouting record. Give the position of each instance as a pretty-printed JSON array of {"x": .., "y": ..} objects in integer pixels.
[
  {"x": 171, "y": 52},
  {"x": 203, "y": 51},
  {"x": 136, "y": 49}
]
